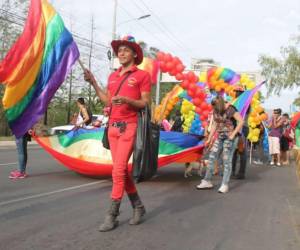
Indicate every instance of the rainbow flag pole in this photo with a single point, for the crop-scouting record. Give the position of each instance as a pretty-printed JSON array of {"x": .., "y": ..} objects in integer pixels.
[{"x": 36, "y": 66}]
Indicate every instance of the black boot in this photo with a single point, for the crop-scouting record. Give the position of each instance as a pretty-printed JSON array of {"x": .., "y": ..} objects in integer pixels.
[
  {"x": 138, "y": 209},
  {"x": 110, "y": 221}
]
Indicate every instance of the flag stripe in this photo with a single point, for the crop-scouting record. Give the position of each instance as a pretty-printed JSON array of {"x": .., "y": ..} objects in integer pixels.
[
  {"x": 19, "y": 49},
  {"x": 39, "y": 105}
]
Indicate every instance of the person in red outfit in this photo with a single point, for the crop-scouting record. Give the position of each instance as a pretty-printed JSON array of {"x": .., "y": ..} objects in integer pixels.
[{"x": 134, "y": 94}]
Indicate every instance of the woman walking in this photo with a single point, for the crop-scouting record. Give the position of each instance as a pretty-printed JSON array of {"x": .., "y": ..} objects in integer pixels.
[{"x": 227, "y": 124}]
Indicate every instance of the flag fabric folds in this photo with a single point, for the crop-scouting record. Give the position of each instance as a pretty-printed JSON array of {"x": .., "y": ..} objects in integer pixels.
[
  {"x": 243, "y": 102},
  {"x": 82, "y": 150},
  {"x": 35, "y": 67}
]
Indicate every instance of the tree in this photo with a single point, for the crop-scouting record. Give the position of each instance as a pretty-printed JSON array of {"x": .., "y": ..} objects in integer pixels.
[{"x": 283, "y": 72}]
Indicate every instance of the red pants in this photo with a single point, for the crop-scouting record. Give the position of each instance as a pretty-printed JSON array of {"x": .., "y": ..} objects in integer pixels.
[{"x": 121, "y": 147}]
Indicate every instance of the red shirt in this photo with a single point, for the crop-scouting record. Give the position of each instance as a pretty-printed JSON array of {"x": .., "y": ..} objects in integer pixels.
[{"x": 139, "y": 81}]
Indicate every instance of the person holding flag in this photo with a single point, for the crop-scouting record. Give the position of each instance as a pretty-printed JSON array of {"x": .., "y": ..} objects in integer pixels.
[{"x": 128, "y": 91}]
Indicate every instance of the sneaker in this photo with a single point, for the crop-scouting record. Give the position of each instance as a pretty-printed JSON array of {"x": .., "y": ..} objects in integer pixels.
[
  {"x": 17, "y": 175},
  {"x": 205, "y": 185},
  {"x": 272, "y": 163},
  {"x": 223, "y": 189},
  {"x": 278, "y": 164}
]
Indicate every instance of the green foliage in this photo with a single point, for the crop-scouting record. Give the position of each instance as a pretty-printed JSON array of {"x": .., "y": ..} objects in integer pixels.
[{"x": 284, "y": 72}]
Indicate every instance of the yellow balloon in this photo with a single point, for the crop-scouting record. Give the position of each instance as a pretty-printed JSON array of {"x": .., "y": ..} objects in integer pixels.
[{"x": 203, "y": 77}]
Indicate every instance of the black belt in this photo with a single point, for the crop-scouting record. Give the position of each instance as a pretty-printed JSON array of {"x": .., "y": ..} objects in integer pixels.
[{"x": 118, "y": 124}]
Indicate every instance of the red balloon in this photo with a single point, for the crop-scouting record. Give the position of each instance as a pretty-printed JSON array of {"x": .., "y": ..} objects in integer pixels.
[
  {"x": 191, "y": 76},
  {"x": 163, "y": 66},
  {"x": 170, "y": 66},
  {"x": 209, "y": 107},
  {"x": 185, "y": 84},
  {"x": 173, "y": 72},
  {"x": 176, "y": 60},
  {"x": 179, "y": 68},
  {"x": 197, "y": 101},
  {"x": 160, "y": 56},
  {"x": 179, "y": 77},
  {"x": 191, "y": 93},
  {"x": 203, "y": 106},
  {"x": 204, "y": 124},
  {"x": 168, "y": 57},
  {"x": 199, "y": 92},
  {"x": 202, "y": 118},
  {"x": 205, "y": 113},
  {"x": 192, "y": 87},
  {"x": 198, "y": 110}
]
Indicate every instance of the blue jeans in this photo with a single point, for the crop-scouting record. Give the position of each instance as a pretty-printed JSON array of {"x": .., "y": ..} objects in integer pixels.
[
  {"x": 22, "y": 152},
  {"x": 228, "y": 147}
]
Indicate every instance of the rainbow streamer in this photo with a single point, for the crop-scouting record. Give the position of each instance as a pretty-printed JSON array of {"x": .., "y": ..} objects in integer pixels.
[
  {"x": 243, "y": 102},
  {"x": 35, "y": 67}
]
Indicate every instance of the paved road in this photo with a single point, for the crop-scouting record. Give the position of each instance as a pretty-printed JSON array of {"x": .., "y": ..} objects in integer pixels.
[{"x": 58, "y": 209}]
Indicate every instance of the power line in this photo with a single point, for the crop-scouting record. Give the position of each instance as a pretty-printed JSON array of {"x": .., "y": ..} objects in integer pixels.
[
  {"x": 164, "y": 28},
  {"x": 147, "y": 30}
]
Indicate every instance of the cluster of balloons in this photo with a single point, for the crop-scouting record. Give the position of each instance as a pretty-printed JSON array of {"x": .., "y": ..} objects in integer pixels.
[
  {"x": 247, "y": 82},
  {"x": 222, "y": 79},
  {"x": 189, "y": 82},
  {"x": 256, "y": 117},
  {"x": 170, "y": 64},
  {"x": 196, "y": 127},
  {"x": 188, "y": 113}
]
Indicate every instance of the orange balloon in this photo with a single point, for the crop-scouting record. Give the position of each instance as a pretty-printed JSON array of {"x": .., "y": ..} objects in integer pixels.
[{"x": 218, "y": 88}]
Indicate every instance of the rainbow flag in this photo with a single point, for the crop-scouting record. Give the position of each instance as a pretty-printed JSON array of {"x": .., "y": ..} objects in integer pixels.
[
  {"x": 35, "y": 67},
  {"x": 82, "y": 151},
  {"x": 243, "y": 102}
]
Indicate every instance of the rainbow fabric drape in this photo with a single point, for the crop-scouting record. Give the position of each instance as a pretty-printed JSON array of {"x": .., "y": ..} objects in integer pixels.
[
  {"x": 36, "y": 66},
  {"x": 82, "y": 151}
]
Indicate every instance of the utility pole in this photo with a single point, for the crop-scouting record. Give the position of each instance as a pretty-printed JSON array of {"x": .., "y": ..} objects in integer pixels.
[
  {"x": 71, "y": 81},
  {"x": 114, "y": 29},
  {"x": 90, "y": 58}
]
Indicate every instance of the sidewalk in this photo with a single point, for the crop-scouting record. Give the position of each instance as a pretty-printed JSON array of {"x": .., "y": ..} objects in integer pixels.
[{"x": 12, "y": 144}]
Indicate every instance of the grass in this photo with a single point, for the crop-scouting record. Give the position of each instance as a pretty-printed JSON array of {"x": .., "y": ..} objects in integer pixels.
[{"x": 6, "y": 138}]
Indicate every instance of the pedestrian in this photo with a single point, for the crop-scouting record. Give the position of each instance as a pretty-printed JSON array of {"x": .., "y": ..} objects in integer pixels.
[
  {"x": 21, "y": 144},
  {"x": 241, "y": 149},
  {"x": 274, "y": 137},
  {"x": 134, "y": 87},
  {"x": 84, "y": 117},
  {"x": 227, "y": 123},
  {"x": 286, "y": 139},
  {"x": 178, "y": 122}
]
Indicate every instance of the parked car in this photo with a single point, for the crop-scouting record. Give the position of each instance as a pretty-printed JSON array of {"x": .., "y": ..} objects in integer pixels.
[{"x": 65, "y": 128}]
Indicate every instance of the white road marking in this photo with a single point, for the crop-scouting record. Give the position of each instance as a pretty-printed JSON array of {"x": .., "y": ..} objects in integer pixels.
[
  {"x": 8, "y": 164},
  {"x": 50, "y": 193}
]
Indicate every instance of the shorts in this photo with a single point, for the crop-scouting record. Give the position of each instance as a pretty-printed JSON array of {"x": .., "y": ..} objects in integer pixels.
[
  {"x": 274, "y": 145},
  {"x": 284, "y": 144}
]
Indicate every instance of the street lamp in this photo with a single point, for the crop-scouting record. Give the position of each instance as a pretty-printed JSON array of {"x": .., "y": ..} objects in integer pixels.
[{"x": 134, "y": 19}]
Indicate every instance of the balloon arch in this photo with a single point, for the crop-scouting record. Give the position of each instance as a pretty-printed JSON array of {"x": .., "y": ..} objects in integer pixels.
[{"x": 196, "y": 93}]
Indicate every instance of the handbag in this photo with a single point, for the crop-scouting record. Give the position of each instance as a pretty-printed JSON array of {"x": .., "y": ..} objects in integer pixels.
[
  {"x": 145, "y": 154},
  {"x": 105, "y": 141}
]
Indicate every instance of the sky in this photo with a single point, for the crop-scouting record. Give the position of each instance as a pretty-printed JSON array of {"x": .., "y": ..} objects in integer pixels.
[{"x": 232, "y": 32}]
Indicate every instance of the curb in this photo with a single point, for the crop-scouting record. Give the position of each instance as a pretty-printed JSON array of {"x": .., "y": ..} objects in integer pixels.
[{"x": 12, "y": 145}]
